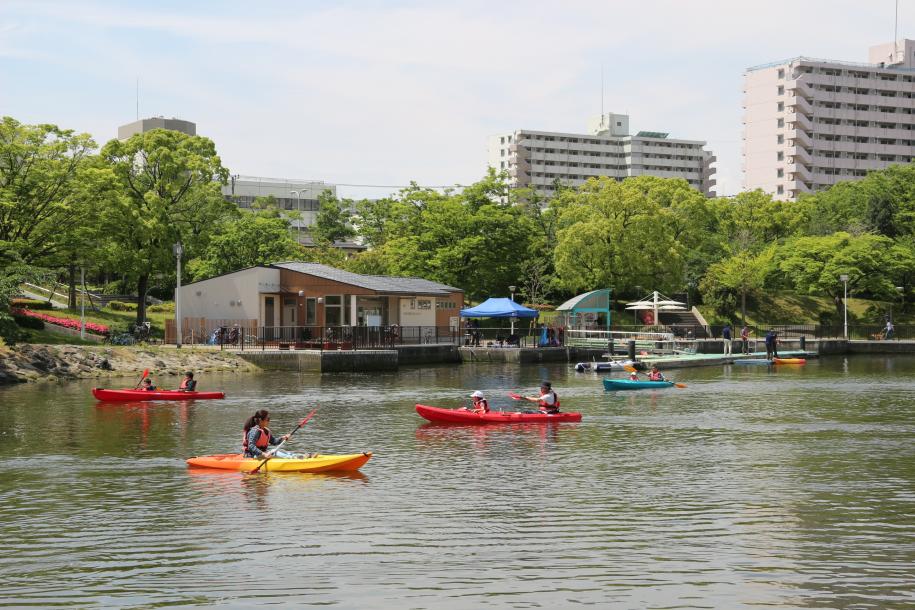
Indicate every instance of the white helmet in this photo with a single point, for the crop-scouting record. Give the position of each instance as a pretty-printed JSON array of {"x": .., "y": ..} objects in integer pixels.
[{"x": 477, "y": 394}]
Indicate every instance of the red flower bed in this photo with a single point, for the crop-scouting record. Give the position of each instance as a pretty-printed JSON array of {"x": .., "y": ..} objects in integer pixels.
[{"x": 99, "y": 329}]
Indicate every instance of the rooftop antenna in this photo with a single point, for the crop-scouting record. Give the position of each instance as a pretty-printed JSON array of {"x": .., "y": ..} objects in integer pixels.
[
  {"x": 601, "y": 90},
  {"x": 138, "y": 98},
  {"x": 896, "y": 34}
]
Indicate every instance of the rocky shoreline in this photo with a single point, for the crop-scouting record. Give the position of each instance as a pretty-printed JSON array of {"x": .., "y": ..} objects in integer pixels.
[{"x": 33, "y": 362}]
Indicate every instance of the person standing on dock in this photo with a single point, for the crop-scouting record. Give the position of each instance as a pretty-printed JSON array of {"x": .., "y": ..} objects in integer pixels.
[
  {"x": 726, "y": 336},
  {"x": 745, "y": 337}
]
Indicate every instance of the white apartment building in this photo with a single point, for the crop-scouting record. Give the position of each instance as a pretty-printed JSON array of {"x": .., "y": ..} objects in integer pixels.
[
  {"x": 810, "y": 123},
  {"x": 537, "y": 159}
]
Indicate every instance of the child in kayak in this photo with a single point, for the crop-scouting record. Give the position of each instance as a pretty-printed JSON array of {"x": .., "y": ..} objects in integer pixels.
[
  {"x": 188, "y": 384},
  {"x": 258, "y": 438},
  {"x": 633, "y": 376},
  {"x": 480, "y": 404},
  {"x": 548, "y": 401},
  {"x": 147, "y": 385},
  {"x": 655, "y": 374}
]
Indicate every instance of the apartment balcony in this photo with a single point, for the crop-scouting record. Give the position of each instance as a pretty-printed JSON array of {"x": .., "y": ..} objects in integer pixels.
[
  {"x": 801, "y": 104},
  {"x": 796, "y": 187},
  {"x": 800, "y": 88},
  {"x": 800, "y": 137},
  {"x": 799, "y": 154},
  {"x": 851, "y": 81},
  {"x": 799, "y": 170},
  {"x": 799, "y": 120}
]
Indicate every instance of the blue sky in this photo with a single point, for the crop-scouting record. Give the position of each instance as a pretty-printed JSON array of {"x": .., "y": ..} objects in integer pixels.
[{"x": 388, "y": 92}]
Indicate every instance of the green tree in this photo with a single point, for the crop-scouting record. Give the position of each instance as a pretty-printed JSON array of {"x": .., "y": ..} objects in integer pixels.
[
  {"x": 253, "y": 239},
  {"x": 38, "y": 169},
  {"x": 169, "y": 186},
  {"x": 743, "y": 275},
  {"x": 814, "y": 264},
  {"x": 332, "y": 222},
  {"x": 619, "y": 235}
]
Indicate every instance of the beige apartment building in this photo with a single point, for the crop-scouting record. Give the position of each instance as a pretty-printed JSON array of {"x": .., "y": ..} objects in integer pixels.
[
  {"x": 810, "y": 123},
  {"x": 536, "y": 159}
]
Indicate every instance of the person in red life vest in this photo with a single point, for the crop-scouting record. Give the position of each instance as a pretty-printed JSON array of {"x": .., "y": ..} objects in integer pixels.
[
  {"x": 148, "y": 385},
  {"x": 633, "y": 376},
  {"x": 188, "y": 384},
  {"x": 258, "y": 438},
  {"x": 548, "y": 401},
  {"x": 655, "y": 374},
  {"x": 480, "y": 404}
]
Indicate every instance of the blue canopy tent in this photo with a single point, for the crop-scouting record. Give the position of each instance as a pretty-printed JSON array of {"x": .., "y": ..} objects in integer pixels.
[{"x": 500, "y": 308}]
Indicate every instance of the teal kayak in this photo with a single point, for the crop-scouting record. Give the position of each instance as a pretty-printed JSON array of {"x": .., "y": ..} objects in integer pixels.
[
  {"x": 751, "y": 361},
  {"x": 629, "y": 384}
]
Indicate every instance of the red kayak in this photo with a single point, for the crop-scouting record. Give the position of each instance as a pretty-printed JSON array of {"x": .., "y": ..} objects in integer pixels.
[
  {"x": 111, "y": 395},
  {"x": 452, "y": 416}
]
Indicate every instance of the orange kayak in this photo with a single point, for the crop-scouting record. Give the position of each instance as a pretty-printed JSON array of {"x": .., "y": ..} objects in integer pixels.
[
  {"x": 318, "y": 463},
  {"x": 790, "y": 361}
]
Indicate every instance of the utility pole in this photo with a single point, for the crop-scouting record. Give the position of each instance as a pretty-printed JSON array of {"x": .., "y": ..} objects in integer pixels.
[{"x": 178, "y": 252}]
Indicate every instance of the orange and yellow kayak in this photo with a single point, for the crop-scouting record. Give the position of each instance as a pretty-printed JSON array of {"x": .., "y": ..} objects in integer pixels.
[
  {"x": 790, "y": 361},
  {"x": 318, "y": 463}
]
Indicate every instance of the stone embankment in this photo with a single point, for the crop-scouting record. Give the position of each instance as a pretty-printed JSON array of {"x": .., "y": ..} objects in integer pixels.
[{"x": 27, "y": 362}]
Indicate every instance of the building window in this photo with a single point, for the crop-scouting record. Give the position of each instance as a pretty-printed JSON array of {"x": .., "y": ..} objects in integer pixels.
[
  {"x": 780, "y": 156},
  {"x": 781, "y": 73},
  {"x": 780, "y": 139},
  {"x": 781, "y": 90},
  {"x": 781, "y": 106},
  {"x": 333, "y": 310},
  {"x": 311, "y": 304},
  {"x": 780, "y": 190},
  {"x": 781, "y": 123},
  {"x": 779, "y": 173}
]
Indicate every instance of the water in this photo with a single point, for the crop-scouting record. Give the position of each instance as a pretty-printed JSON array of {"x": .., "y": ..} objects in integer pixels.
[{"x": 793, "y": 487}]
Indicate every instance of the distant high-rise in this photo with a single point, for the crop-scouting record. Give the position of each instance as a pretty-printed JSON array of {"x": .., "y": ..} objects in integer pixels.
[
  {"x": 144, "y": 125},
  {"x": 809, "y": 123},
  {"x": 536, "y": 159}
]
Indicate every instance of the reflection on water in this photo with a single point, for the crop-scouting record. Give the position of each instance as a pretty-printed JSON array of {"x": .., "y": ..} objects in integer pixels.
[{"x": 779, "y": 486}]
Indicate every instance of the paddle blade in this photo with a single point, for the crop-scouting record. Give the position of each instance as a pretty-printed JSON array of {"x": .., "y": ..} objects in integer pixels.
[
  {"x": 679, "y": 385},
  {"x": 514, "y": 396},
  {"x": 145, "y": 374},
  {"x": 629, "y": 368}
]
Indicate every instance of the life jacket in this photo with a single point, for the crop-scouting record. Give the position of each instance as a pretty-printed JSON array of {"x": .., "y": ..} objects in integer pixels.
[
  {"x": 550, "y": 407},
  {"x": 262, "y": 442},
  {"x": 483, "y": 404},
  {"x": 188, "y": 384},
  {"x": 655, "y": 376}
]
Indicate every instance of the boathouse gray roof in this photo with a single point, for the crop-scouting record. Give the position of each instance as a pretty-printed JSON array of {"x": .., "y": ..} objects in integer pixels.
[{"x": 380, "y": 283}]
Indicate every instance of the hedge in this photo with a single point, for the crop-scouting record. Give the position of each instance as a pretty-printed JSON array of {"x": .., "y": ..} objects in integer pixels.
[{"x": 122, "y": 306}]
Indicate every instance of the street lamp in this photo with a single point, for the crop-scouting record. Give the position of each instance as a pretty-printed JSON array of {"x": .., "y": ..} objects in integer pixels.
[
  {"x": 298, "y": 205},
  {"x": 512, "y": 289},
  {"x": 844, "y": 279},
  {"x": 179, "y": 250}
]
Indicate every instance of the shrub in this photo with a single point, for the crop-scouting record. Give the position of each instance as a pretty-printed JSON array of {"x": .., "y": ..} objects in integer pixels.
[
  {"x": 99, "y": 329},
  {"x": 161, "y": 308},
  {"x": 32, "y": 304},
  {"x": 28, "y": 322},
  {"x": 122, "y": 306}
]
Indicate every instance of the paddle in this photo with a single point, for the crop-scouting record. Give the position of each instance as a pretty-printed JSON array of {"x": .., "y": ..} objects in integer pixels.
[
  {"x": 514, "y": 396},
  {"x": 142, "y": 377},
  {"x": 632, "y": 369},
  {"x": 283, "y": 442}
]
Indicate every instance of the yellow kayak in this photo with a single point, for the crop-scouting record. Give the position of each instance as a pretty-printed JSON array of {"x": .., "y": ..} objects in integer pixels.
[{"x": 318, "y": 463}]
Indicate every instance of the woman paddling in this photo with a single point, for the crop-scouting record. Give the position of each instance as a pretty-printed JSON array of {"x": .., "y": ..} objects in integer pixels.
[
  {"x": 258, "y": 437},
  {"x": 548, "y": 401}
]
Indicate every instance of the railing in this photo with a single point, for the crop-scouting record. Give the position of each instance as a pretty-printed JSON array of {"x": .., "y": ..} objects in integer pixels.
[{"x": 320, "y": 337}]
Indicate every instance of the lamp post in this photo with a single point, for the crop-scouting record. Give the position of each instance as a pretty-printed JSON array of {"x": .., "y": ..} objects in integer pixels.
[
  {"x": 844, "y": 279},
  {"x": 512, "y": 289},
  {"x": 298, "y": 204},
  {"x": 82, "y": 305},
  {"x": 179, "y": 250}
]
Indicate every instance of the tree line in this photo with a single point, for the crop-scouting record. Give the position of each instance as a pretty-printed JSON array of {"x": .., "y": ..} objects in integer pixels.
[{"x": 117, "y": 210}]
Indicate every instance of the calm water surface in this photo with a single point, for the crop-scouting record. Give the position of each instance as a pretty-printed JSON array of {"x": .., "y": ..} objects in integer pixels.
[{"x": 791, "y": 487}]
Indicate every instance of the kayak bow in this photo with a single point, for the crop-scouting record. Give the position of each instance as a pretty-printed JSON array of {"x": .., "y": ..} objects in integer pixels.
[{"x": 631, "y": 384}]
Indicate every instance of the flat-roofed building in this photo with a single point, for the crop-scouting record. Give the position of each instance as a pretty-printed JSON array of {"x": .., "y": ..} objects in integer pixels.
[
  {"x": 537, "y": 159},
  {"x": 810, "y": 123},
  {"x": 144, "y": 125}
]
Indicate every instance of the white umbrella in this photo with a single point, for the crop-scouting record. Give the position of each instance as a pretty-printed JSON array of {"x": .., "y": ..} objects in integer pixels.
[{"x": 641, "y": 306}]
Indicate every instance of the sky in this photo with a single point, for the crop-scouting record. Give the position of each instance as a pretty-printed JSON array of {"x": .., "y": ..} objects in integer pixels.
[{"x": 384, "y": 93}]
